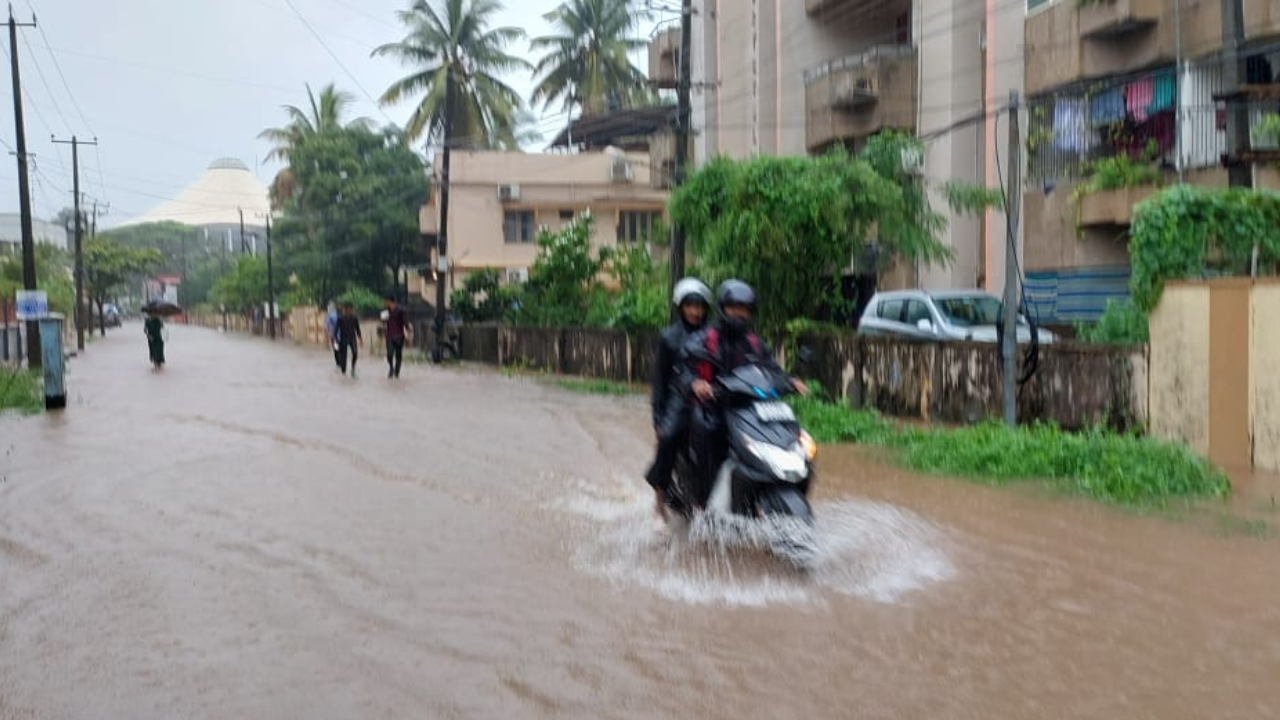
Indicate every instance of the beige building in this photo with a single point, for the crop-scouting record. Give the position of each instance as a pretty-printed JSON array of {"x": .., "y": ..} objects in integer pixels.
[
  {"x": 499, "y": 201},
  {"x": 1126, "y": 77},
  {"x": 790, "y": 77}
]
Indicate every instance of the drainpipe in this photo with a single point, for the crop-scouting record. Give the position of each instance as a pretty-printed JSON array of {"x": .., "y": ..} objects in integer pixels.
[{"x": 1179, "y": 163}]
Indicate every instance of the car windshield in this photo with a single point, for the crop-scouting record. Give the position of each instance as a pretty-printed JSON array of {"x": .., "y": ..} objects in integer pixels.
[{"x": 971, "y": 310}]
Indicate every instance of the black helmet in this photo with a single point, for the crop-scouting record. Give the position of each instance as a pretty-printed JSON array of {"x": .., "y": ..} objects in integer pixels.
[{"x": 736, "y": 292}]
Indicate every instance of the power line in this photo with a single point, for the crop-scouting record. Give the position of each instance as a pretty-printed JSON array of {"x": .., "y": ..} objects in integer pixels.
[{"x": 334, "y": 55}]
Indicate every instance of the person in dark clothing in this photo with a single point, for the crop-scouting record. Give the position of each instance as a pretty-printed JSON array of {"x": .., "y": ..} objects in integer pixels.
[
  {"x": 154, "y": 329},
  {"x": 349, "y": 338},
  {"x": 670, "y": 409},
  {"x": 725, "y": 346},
  {"x": 397, "y": 330}
]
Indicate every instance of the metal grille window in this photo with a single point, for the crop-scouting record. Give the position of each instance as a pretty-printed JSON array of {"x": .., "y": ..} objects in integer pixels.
[
  {"x": 636, "y": 225},
  {"x": 517, "y": 226}
]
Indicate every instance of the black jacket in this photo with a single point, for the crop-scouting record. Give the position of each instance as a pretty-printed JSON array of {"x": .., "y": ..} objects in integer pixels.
[{"x": 670, "y": 363}]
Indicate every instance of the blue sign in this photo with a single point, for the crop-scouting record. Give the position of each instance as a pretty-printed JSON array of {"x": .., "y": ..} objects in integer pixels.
[{"x": 32, "y": 304}]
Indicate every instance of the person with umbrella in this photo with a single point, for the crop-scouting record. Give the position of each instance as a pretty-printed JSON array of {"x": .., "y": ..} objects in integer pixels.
[{"x": 154, "y": 328}]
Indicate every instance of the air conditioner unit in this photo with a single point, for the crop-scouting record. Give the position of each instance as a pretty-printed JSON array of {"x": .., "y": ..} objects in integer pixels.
[
  {"x": 507, "y": 193},
  {"x": 620, "y": 170},
  {"x": 517, "y": 275}
]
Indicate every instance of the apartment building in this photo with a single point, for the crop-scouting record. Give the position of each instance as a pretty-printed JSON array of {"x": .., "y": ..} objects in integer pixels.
[
  {"x": 499, "y": 201},
  {"x": 1136, "y": 78},
  {"x": 791, "y": 77}
]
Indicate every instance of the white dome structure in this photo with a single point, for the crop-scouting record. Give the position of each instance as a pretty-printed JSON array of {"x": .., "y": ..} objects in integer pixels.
[{"x": 215, "y": 199}]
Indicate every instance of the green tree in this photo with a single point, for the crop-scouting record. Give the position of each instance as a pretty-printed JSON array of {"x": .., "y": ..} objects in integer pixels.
[
  {"x": 324, "y": 113},
  {"x": 639, "y": 301},
  {"x": 245, "y": 287},
  {"x": 483, "y": 297},
  {"x": 791, "y": 225},
  {"x": 53, "y": 275},
  {"x": 563, "y": 278},
  {"x": 453, "y": 51},
  {"x": 108, "y": 266},
  {"x": 587, "y": 62},
  {"x": 354, "y": 217}
]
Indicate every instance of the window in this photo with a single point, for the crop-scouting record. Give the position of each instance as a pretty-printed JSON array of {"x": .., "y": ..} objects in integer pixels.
[
  {"x": 1033, "y": 4},
  {"x": 517, "y": 226},
  {"x": 904, "y": 29},
  {"x": 917, "y": 311},
  {"x": 891, "y": 310},
  {"x": 566, "y": 216},
  {"x": 636, "y": 225}
]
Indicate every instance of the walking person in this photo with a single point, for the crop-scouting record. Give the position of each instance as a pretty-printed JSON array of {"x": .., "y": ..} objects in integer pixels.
[
  {"x": 331, "y": 332},
  {"x": 396, "y": 331},
  {"x": 349, "y": 338},
  {"x": 154, "y": 329}
]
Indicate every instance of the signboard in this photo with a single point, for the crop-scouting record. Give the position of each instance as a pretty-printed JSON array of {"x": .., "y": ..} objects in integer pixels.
[{"x": 32, "y": 304}]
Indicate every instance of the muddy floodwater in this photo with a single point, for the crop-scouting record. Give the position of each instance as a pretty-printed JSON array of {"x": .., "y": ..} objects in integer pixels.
[{"x": 247, "y": 534}]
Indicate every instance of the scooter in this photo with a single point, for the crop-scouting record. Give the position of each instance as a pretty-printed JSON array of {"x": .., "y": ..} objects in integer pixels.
[{"x": 767, "y": 465}]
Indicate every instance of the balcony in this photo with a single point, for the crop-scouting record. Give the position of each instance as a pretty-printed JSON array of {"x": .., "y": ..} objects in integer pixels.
[
  {"x": 1068, "y": 43},
  {"x": 1111, "y": 19},
  {"x": 1112, "y": 208},
  {"x": 664, "y": 56},
  {"x": 857, "y": 96}
]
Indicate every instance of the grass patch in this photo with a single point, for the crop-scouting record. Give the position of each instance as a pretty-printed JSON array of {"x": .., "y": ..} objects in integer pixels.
[
  {"x": 21, "y": 390},
  {"x": 1121, "y": 469},
  {"x": 596, "y": 387}
]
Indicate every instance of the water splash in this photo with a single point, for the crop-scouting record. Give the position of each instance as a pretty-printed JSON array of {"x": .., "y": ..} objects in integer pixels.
[{"x": 863, "y": 549}]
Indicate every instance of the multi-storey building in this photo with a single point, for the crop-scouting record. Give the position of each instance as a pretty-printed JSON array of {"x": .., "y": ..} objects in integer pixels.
[
  {"x": 796, "y": 77},
  {"x": 1143, "y": 80}
]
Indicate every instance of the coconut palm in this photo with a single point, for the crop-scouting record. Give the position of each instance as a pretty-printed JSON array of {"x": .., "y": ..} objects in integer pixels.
[
  {"x": 587, "y": 63},
  {"x": 456, "y": 59},
  {"x": 325, "y": 112}
]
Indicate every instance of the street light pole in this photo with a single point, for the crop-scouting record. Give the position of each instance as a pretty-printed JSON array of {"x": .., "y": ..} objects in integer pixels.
[
  {"x": 80, "y": 315},
  {"x": 271, "y": 288}
]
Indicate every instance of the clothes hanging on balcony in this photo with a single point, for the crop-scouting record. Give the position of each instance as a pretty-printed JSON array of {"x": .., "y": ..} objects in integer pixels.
[
  {"x": 1136, "y": 138},
  {"x": 1138, "y": 95},
  {"x": 1107, "y": 107},
  {"x": 1069, "y": 128},
  {"x": 1163, "y": 92}
]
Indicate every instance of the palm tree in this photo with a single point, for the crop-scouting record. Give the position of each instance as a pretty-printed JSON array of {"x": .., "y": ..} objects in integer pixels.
[
  {"x": 456, "y": 59},
  {"x": 587, "y": 63},
  {"x": 325, "y": 112}
]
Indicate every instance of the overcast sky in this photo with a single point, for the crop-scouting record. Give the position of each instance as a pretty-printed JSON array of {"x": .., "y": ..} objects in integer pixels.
[{"x": 167, "y": 86}]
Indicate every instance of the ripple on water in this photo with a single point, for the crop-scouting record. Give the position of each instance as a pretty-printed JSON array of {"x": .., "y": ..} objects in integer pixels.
[{"x": 869, "y": 550}]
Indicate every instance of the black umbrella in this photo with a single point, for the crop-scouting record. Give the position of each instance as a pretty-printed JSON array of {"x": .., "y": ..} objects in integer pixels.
[{"x": 161, "y": 308}]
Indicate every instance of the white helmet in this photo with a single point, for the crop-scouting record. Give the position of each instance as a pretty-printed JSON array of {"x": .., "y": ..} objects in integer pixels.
[{"x": 690, "y": 286}]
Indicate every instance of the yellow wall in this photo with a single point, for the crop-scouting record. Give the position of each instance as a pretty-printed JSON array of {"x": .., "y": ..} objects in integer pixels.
[
  {"x": 1264, "y": 352},
  {"x": 1179, "y": 368}
]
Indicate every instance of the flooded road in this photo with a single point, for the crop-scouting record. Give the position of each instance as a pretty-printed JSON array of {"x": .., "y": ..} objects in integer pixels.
[{"x": 248, "y": 534}]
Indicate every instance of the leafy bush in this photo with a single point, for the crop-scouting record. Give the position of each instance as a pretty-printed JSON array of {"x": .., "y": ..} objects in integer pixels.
[
  {"x": 22, "y": 391},
  {"x": 366, "y": 301},
  {"x": 1188, "y": 231},
  {"x": 1122, "y": 469},
  {"x": 483, "y": 298},
  {"x": 1122, "y": 323}
]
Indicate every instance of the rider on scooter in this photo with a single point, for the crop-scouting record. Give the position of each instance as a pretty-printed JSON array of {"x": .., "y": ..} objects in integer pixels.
[
  {"x": 692, "y": 299},
  {"x": 725, "y": 346}
]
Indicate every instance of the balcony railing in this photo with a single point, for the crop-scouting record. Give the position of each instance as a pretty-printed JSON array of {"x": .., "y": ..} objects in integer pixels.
[
  {"x": 1069, "y": 129},
  {"x": 1116, "y": 18}
]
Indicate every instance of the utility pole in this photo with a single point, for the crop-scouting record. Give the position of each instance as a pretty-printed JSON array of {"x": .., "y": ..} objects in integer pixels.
[
  {"x": 271, "y": 288},
  {"x": 1009, "y": 339},
  {"x": 80, "y": 316},
  {"x": 442, "y": 244},
  {"x": 244, "y": 246},
  {"x": 1235, "y": 73},
  {"x": 682, "y": 135},
  {"x": 24, "y": 193}
]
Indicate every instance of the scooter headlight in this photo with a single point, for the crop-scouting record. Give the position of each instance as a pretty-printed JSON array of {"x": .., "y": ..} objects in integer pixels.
[
  {"x": 808, "y": 445},
  {"x": 786, "y": 464}
]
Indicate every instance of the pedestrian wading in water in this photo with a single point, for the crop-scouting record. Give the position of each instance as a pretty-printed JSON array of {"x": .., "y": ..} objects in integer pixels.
[
  {"x": 397, "y": 332},
  {"x": 349, "y": 338},
  {"x": 154, "y": 329}
]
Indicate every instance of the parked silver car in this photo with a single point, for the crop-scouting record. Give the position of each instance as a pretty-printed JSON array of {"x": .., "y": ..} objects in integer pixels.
[{"x": 941, "y": 315}]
